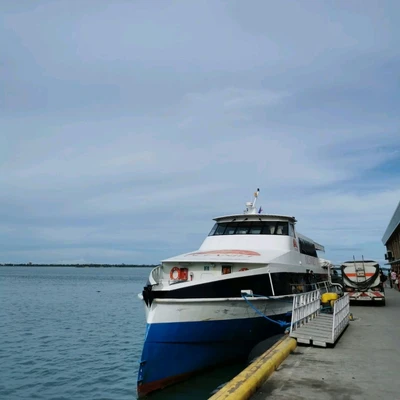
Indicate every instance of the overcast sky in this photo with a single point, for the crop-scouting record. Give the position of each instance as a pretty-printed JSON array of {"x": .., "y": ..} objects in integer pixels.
[{"x": 126, "y": 126}]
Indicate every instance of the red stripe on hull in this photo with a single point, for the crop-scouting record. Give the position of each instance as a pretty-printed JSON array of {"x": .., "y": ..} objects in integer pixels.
[{"x": 146, "y": 388}]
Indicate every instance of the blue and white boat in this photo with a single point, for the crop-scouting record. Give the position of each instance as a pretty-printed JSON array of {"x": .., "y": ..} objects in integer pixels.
[{"x": 213, "y": 305}]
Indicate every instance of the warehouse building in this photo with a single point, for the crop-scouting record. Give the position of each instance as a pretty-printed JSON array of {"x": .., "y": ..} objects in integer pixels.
[{"x": 391, "y": 239}]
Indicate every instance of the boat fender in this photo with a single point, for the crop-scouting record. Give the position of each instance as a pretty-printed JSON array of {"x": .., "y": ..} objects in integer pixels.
[{"x": 329, "y": 298}]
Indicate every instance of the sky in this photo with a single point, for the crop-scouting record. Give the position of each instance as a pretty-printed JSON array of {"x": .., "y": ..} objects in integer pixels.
[{"x": 126, "y": 126}]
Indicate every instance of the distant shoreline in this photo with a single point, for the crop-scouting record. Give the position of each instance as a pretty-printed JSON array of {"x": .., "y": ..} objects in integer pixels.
[{"x": 81, "y": 265}]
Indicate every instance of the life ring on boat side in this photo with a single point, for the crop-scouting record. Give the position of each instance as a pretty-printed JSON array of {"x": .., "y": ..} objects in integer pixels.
[
  {"x": 243, "y": 269},
  {"x": 175, "y": 273}
]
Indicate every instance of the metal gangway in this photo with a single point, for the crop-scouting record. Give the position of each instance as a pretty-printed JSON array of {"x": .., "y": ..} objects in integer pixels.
[{"x": 310, "y": 325}]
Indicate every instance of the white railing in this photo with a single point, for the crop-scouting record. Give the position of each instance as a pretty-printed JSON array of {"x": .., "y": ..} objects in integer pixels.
[
  {"x": 341, "y": 313},
  {"x": 156, "y": 275},
  {"x": 338, "y": 287},
  {"x": 324, "y": 287},
  {"x": 306, "y": 306},
  {"x": 327, "y": 286}
]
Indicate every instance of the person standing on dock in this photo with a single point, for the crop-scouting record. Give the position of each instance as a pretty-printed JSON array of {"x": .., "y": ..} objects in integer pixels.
[
  {"x": 393, "y": 278},
  {"x": 383, "y": 279}
]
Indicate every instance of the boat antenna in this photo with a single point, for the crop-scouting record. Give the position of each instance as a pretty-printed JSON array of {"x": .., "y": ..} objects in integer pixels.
[
  {"x": 255, "y": 196},
  {"x": 250, "y": 206}
]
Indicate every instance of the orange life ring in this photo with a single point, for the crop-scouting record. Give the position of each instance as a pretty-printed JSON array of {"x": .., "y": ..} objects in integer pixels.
[
  {"x": 178, "y": 274},
  {"x": 173, "y": 276},
  {"x": 243, "y": 269}
]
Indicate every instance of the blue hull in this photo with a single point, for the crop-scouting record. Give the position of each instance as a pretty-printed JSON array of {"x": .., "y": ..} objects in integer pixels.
[{"x": 174, "y": 351}]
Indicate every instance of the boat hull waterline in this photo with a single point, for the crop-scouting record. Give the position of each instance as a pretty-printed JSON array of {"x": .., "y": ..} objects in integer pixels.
[{"x": 176, "y": 350}]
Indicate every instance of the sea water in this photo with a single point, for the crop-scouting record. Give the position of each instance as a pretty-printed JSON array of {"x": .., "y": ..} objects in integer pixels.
[{"x": 77, "y": 333}]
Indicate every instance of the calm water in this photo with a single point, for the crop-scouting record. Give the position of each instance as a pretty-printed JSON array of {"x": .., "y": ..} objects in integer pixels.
[{"x": 77, "y": 333}]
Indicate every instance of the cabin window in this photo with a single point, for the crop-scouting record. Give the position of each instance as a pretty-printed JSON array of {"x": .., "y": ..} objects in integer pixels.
[
  {"x": 268, "y": 228},
  {"x": 220, "y": 229},
  {"x": 243, "y": 228},
  {"x": 291, "y": 230},
  {"x": 281, "y": 228},
  {"x": 256, "y": 228},
  {"x": 253, "y": 228},
  {"x": 226, "y": 269},
  {"x": 214, "y": 228},
  {"x": 230, "y": 229},
  {"x": 307, "y": 248}
]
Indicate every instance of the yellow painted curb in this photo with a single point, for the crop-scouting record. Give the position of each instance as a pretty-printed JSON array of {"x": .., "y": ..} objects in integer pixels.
[{"x": 243, "y": 385}]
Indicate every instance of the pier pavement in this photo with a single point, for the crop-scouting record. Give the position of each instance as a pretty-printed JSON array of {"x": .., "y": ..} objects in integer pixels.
[{"x": 363, "y": 365}]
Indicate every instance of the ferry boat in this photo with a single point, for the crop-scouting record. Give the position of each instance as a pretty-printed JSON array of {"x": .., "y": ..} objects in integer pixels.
[{"x": 213, "y": 305}]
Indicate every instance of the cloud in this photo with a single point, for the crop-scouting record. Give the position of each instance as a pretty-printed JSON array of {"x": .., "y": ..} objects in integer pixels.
[{"x": 125, "y": 128}]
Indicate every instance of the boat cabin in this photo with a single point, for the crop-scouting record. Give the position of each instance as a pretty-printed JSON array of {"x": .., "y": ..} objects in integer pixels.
[
  {"x": 245, "y": 242},
  {"x": 254, "y": 225}
]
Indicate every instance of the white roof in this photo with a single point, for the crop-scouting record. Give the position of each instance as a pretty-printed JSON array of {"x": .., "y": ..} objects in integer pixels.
[{"x": 253, "y": 217}]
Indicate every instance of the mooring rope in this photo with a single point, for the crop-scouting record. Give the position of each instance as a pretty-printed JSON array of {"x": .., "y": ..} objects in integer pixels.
[{"x": 282, "y": 324}]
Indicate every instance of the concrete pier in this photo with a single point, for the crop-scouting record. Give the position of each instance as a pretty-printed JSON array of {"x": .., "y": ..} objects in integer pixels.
[{"x": 363, "y": 365}]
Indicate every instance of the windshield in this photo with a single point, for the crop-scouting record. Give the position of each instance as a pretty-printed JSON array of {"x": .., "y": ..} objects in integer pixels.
[{"x": 250, "y": 228}]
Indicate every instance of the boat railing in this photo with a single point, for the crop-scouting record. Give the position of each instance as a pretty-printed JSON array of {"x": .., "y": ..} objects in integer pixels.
[
  {"x": 306, "y": 306},
  {"x": 324, "y": 287},
  {"x": 156, "y": 275}
]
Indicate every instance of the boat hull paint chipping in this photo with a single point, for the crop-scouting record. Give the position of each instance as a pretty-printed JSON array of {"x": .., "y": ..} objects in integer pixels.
[
  {"x": 245, "y": 384},
  {"x": 174, "y": 351}
]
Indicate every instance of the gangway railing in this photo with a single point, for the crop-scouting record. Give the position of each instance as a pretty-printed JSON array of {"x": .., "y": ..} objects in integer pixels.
[
  {"x": 306, "y": 306},
  {"x": 324, "y": 287},
  {"x": 328, "y": 286},
  {"x": 341, "y": 315},
  {"x": 310, "y": 325}
]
